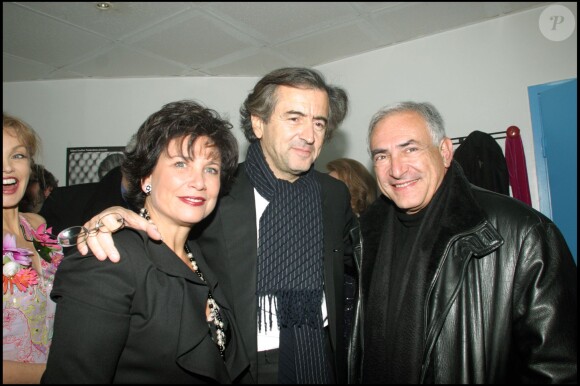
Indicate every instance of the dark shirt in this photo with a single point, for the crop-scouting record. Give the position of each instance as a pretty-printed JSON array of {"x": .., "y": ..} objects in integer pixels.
[
  {"x": 407, "y": 298},
  {"x": 396, "y": 302}
]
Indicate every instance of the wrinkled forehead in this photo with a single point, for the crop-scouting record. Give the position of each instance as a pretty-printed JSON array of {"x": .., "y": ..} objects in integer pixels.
[
  {"x": 311, "y": 97},
  {"x": 404, "y": 123}
]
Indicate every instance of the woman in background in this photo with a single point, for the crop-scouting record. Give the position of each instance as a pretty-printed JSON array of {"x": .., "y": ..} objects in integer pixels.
[
  {"x": 157, "y": 316},
  {"x": 29, "y": 260},
  {"x": 360, "y": 182}
]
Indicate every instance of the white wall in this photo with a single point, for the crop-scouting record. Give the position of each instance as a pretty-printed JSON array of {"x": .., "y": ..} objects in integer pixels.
[
  {"x": 476, "y": 76},
  {"x": 92, "y": 113}
]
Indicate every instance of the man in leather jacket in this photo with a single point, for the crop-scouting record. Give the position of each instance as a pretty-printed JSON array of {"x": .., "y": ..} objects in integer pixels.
[{"x": 458, "y": 284}]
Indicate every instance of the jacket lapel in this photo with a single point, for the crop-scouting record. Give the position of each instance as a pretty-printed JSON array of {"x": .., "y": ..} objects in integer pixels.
[
  {"x": 196, "y": 351},
  {"x": 329, "y": 258},
  {"x": 167, "y": 261}
]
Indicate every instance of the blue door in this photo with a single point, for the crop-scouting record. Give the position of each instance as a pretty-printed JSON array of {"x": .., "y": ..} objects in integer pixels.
[{"x": 555, "y": 121}]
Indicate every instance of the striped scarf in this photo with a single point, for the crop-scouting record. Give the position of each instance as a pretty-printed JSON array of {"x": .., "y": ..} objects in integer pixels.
[{"x": 290, "y": 269}]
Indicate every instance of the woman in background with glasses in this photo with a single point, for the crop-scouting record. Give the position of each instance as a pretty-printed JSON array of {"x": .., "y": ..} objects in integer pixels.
[
  {"x": 157, "y": 316},
  {"x": 29, "y": 260}
]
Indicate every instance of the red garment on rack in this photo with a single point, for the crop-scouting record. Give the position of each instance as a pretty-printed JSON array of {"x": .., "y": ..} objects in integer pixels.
[{"x": 516, "y": 163}]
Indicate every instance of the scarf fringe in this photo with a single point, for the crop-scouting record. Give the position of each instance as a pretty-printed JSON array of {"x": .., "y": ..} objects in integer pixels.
[{"x": 291, "y": 308}]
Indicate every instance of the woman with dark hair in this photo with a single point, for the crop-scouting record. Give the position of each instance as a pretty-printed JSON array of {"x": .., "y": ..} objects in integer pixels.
[{"x": 158, "y": 315}]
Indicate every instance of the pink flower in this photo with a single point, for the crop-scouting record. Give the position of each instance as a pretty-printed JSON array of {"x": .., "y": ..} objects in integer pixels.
[
  {"x": 22, "y": 280},
  {"x": 46, "y": 245},
  {"x": 44, "y": 235},
  {"x": 11, "y": 252}
]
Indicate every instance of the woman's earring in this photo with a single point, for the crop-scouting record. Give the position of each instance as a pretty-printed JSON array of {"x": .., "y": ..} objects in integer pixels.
[{"x": 147, "y": 189}]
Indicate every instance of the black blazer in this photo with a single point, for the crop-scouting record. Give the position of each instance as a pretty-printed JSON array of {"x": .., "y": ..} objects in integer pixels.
[
  {"x": 141, "y": 320},
  {"x": 229, "y": 236},
  {"x": 74, "y": 205}
]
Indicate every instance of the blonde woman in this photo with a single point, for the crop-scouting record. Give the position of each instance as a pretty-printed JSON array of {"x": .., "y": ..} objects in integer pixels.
[{"x": 29, "y": 259}]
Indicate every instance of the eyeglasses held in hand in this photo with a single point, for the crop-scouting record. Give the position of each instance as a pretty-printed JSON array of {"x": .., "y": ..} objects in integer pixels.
[{"x": 69, "y": 237}]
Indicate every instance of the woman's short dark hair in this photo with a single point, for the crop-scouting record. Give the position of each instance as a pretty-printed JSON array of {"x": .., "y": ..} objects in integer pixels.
[
  {"x": 184, "y": 119},
  {"x": 262, "y": 100}
]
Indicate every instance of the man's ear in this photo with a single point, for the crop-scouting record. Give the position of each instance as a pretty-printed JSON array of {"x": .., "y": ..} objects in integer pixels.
[
  {"x": 446, "y": 150},
  {"x": 257, "y": 126}
]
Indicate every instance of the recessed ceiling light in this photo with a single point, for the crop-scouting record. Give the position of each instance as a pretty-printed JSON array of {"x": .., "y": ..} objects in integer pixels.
[{"x": 104, "y": 5}]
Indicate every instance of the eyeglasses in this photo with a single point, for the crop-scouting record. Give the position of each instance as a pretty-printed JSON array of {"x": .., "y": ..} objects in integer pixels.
[{"x": 69, "y": 237}]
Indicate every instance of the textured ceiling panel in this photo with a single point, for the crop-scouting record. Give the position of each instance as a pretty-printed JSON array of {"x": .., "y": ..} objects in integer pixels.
[{"x": 58, "y": 40}]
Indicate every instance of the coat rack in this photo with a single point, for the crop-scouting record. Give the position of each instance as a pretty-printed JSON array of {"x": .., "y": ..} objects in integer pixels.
[
  {"x": 512, "y": 131},
  {"x": 515, "y": 161},
  {"x": 495, "y": 135}
]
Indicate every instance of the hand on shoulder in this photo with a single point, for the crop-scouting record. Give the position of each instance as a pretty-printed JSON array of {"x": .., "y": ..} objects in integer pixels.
[{"x": 102, "y": 245}]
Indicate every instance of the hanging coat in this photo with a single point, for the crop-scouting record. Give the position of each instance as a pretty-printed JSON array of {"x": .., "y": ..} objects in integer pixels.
[{"x": 483, "y": 162}]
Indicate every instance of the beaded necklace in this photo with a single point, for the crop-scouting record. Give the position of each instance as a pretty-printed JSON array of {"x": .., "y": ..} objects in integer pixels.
[{"x": 214, "y": 310}]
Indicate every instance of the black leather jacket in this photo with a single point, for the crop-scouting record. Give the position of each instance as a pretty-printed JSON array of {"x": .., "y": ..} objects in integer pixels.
[
  {"x": 501, "y": 305},
  {"x": 355, "y": 344}
]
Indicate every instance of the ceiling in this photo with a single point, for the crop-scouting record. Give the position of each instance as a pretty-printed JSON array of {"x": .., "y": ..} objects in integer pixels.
[{"x": 69, "y": 40}]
